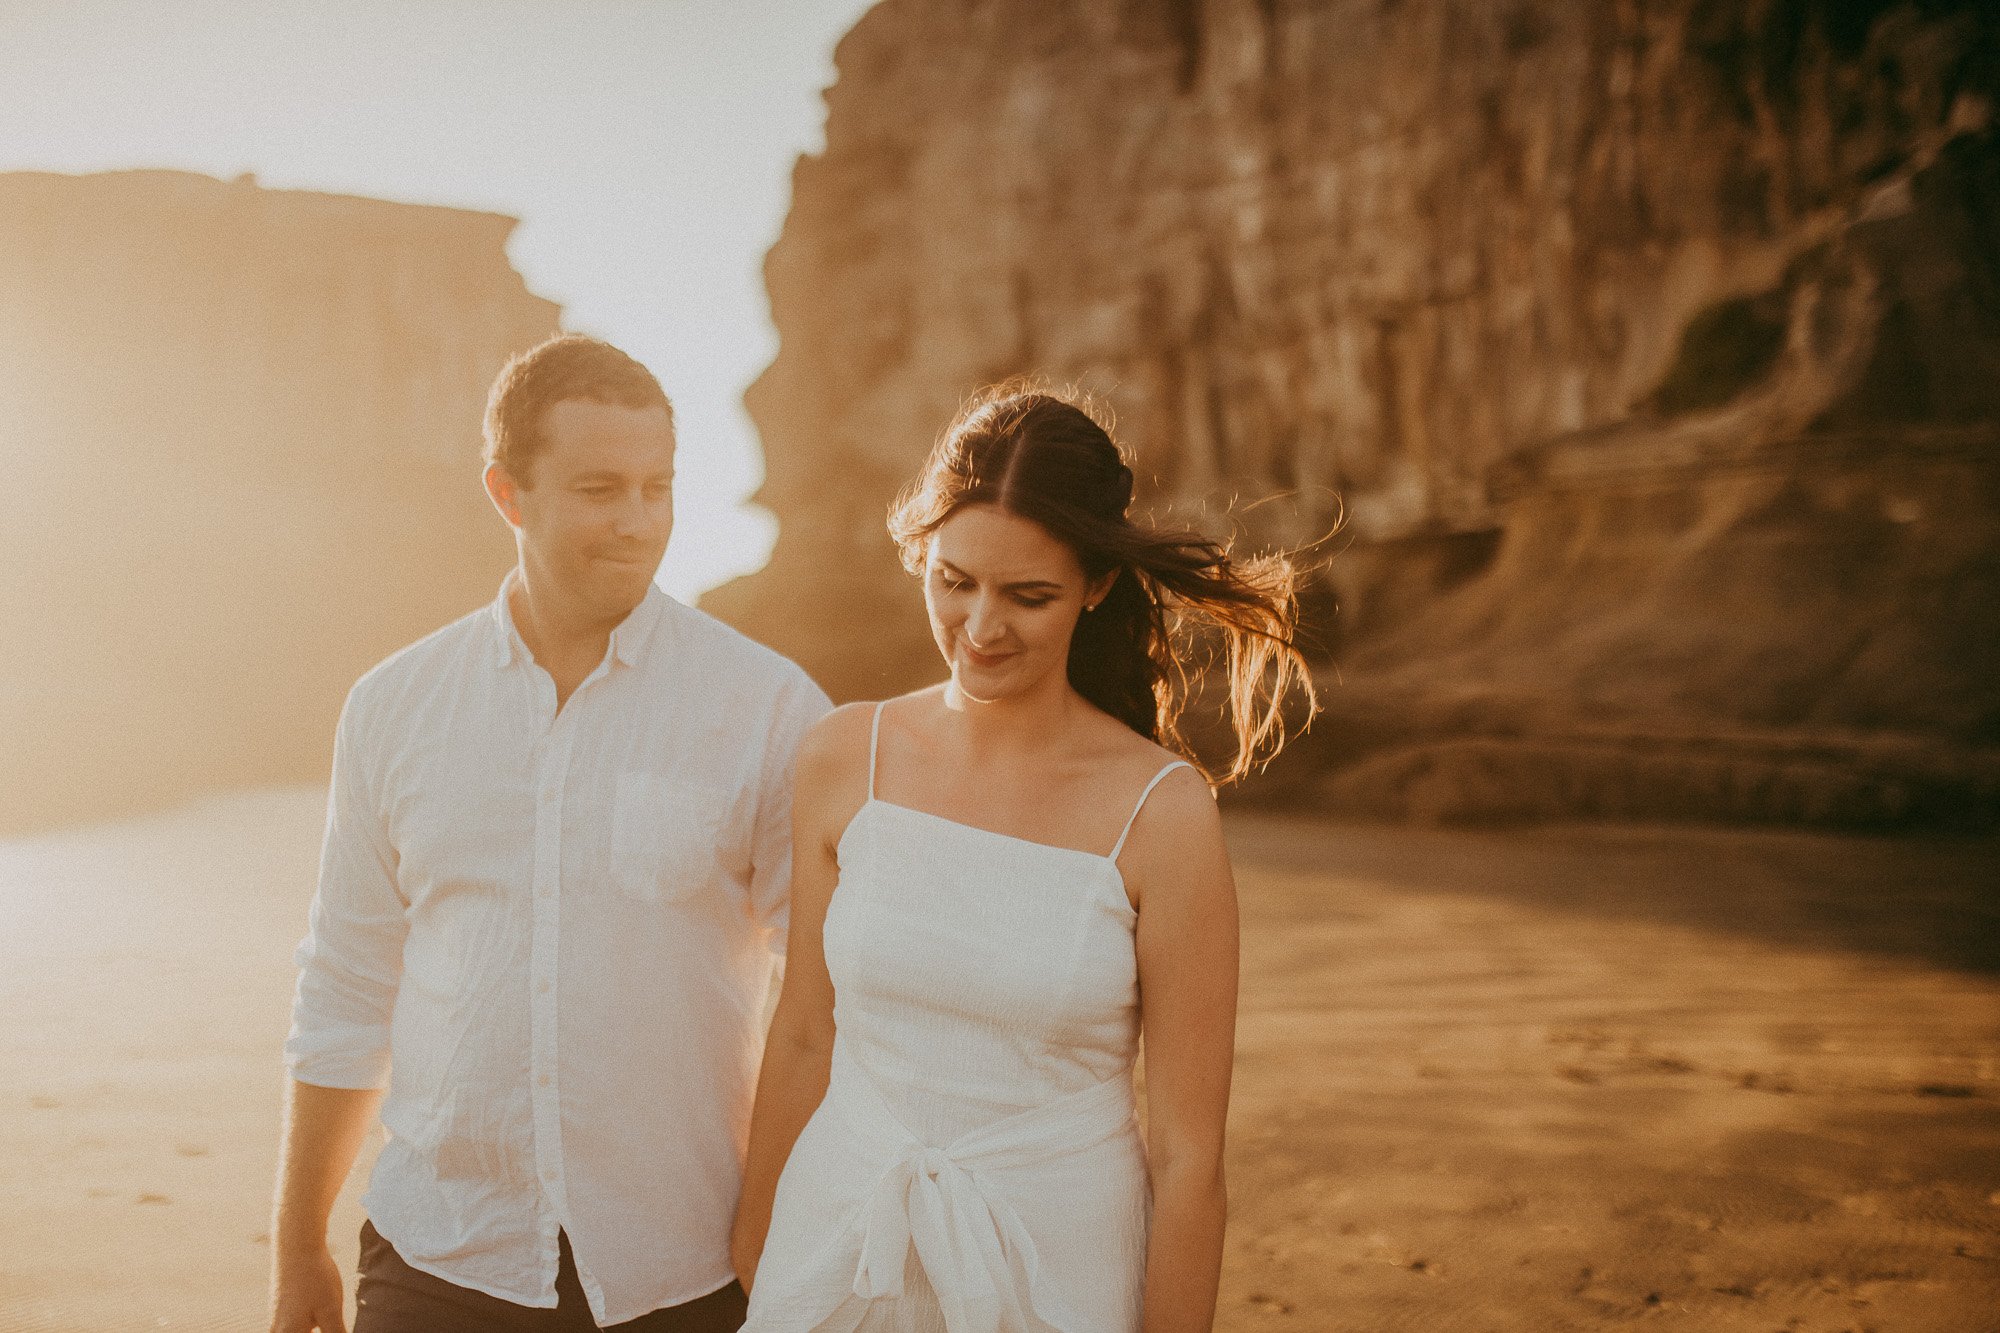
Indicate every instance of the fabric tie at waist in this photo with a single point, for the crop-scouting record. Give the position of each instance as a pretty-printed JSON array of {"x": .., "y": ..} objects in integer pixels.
[{"x": 972, "y": 1244}]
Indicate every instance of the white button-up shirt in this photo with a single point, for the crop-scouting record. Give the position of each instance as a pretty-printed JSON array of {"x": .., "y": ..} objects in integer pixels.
[{"x": 553, "y": 934}]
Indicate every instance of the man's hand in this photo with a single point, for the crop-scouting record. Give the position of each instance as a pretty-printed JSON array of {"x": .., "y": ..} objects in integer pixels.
[
  {"x": 323, "y": 1132},
  {"x": 306, "y": 1293}
]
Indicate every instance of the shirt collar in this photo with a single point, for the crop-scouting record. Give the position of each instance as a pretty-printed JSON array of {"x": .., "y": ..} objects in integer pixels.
[
  {"x": 636, "y": 631},
  {"x": 506, "y": 639},
  {"x": 628, "y": 642}
]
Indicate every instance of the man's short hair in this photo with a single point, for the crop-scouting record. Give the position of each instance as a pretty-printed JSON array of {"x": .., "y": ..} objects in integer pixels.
[{"x": 561, "y": 370}]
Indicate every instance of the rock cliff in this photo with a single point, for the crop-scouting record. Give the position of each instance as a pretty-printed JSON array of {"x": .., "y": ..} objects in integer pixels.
[
  {"x": 241, "y": 431},
  {"x": 1645, "y": 355}
]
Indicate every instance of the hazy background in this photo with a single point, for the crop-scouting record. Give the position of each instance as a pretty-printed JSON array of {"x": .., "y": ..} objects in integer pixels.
[
  {"x": 1623, "y": 947},
  {"x": 646, "y": 146}
]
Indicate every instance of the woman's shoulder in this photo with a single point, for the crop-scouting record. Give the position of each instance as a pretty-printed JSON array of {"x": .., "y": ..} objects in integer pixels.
[
  {"x": 1116, "y": 749},
  {"x": 1157, "y": 790},
  {"x": 1173, "y": 798},
  {"x": 841, "y": 740},
  {"x": 1174, "y": 845},
  {"x": 829, "y": 744},
  {"x": 1175, "y": 788}
]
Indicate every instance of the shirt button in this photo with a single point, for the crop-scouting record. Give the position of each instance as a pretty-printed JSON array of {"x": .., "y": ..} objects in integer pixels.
[
  {"x": 542, "y": 986},
  {"x": 543, "y": 1080}
]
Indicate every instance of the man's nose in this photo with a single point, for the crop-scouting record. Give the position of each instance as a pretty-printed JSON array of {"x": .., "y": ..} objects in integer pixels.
[{"x": 633, "y": 517}]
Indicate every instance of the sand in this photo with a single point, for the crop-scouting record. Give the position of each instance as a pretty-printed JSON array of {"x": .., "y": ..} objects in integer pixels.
[
  {"x": 1568, "y": 1078},
  {"x": 1585, "y": 1078}
]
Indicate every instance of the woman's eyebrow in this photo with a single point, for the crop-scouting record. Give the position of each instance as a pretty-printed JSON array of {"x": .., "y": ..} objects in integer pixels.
[{"x": 1022, "y": 586}]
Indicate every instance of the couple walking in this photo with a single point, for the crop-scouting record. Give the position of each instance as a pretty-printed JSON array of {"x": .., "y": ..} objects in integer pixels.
[{"x": 567, "y": 834}]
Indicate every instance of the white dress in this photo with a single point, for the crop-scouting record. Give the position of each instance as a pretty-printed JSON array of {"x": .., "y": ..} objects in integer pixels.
[{"x": 976, "y": 1165}]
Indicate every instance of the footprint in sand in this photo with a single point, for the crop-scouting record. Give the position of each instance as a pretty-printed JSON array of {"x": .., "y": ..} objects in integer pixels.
[
  {"x": 1946, "y": 1090},
  {"x": 1753, "y": 1080},
  {"x": 191, "y": 1150},
  {"x": 152, "y": 1198}
]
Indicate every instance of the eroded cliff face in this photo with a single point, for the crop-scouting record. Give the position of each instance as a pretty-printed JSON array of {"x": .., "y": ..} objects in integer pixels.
[
  {"x": 241, "y": 432},
  {"x": 1646, "y": 354}
]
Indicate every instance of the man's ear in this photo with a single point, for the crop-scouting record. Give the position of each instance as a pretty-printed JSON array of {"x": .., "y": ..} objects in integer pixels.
[{"x": 505, "y": 494}]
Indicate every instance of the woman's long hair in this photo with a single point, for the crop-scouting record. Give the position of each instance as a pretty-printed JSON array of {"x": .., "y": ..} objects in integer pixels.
[{"x": 1045, "y": 458}]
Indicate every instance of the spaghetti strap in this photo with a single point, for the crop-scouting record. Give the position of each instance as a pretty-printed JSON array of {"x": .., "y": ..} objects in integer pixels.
[
  {"x": 874, "y": 737},
  {"x": 1178, "y": 763}
]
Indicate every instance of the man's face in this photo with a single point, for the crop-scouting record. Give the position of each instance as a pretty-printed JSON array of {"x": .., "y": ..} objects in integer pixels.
[{"x": 594, "y": 517}]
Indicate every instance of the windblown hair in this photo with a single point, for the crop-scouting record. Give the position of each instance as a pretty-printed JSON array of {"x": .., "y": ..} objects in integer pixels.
[
  {"x": 1047, "y": 459},
  {"x": 563, "y": 369}
]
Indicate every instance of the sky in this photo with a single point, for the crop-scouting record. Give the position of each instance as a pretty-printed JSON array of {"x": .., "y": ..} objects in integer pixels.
[{"x": 646, "y": 146}]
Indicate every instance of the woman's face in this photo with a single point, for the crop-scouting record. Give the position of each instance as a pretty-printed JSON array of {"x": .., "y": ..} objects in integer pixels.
[{"x": 1004, "y": 596}]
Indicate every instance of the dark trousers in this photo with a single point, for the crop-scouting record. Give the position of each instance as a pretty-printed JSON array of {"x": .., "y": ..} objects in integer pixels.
[{"x": 396, "y": 1298}]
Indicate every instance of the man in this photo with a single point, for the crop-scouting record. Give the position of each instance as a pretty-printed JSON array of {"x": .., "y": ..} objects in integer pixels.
[{"x": 555, "y": 872}]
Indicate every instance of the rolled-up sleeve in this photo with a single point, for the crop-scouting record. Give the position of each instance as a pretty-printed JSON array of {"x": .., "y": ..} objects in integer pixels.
[
  {"x": 800, "y": 704},
  {"x": 351, "y": 960}
]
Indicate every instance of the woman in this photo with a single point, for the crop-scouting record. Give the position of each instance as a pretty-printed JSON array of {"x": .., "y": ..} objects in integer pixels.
[{"x": 988, "y": 876}]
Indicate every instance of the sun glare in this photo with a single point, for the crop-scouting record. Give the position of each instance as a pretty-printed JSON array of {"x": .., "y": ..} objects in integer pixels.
[{"x": 647, "y": 151}]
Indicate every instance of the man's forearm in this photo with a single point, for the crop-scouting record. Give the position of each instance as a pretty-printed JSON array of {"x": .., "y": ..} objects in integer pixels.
[{"x": 324, "y": 1128}]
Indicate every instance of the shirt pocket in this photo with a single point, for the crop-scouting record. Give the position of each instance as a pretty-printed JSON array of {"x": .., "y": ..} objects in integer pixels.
[{"x": 664, "y": 833}]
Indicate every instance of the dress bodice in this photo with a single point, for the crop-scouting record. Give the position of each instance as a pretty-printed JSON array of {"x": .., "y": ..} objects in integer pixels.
[{"x": 977, "y": 974}]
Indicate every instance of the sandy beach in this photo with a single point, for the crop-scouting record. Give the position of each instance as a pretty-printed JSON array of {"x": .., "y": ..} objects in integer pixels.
[{"x": 1551, "y": 1079}]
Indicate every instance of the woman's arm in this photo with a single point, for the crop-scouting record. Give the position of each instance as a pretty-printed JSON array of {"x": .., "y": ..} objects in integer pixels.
[
  {"x": 800, "y": 1046},
  {"x": 1179, "y": 870}
]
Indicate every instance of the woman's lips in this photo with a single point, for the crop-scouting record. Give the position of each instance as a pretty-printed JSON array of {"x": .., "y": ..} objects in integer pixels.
[{"x": 980, "y": 659}]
